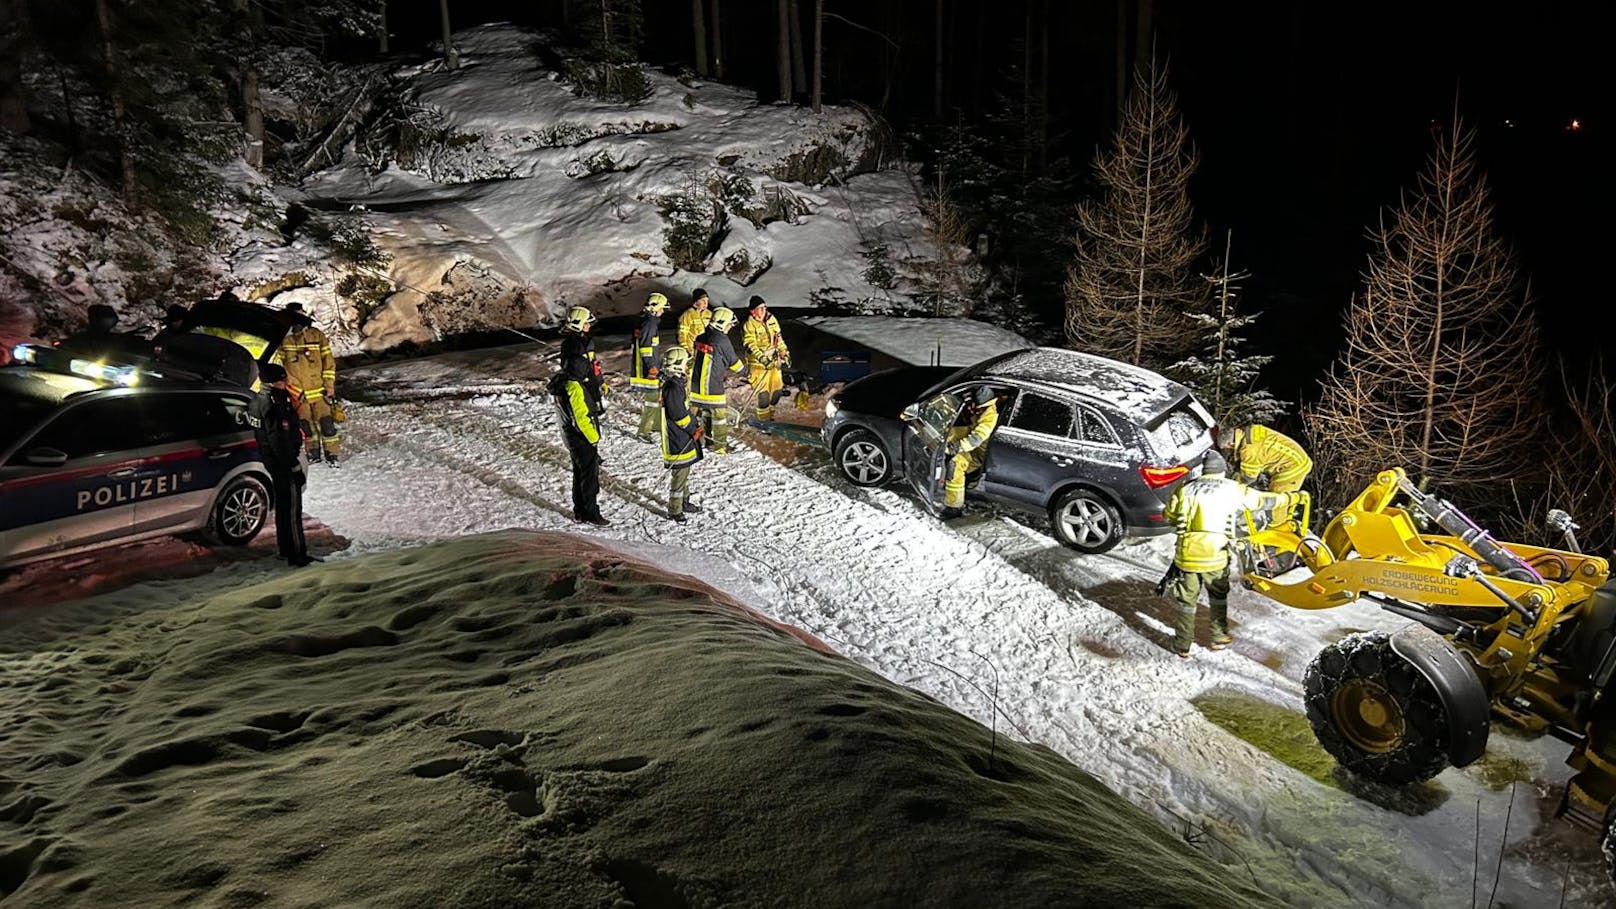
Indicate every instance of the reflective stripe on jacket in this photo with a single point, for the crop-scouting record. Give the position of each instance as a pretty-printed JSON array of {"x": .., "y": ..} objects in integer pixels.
[
  {"x": 1204, "y": 512},
  {"x": 980, "y": 430},
  {"x": 679, "y": 443},
  {"x": 1274, "y": 453},
  {"x": 581, "y": 377},
  {"x": 691, "y": 324},
  {"x": 764, "y": 346},
  {"x": 715, "y": 358},
  {"x": 306, "y": 354},
  {"x": 645, "y": 351}
]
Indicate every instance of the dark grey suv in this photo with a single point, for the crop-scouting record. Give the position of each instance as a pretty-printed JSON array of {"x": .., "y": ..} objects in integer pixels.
[{"x": 1096, "y": 445}]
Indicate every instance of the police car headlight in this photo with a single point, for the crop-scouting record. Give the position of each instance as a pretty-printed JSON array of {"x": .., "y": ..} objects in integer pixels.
[{"x": 831, "y": 407}]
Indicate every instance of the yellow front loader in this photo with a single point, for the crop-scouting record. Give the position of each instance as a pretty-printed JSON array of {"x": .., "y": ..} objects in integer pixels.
[{"x": 1522, "y": 633}]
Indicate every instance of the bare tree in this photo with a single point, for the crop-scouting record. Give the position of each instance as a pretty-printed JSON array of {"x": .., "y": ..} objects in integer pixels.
[
  {"x": 1441, "y": 371},
  {"x": 451, "y": 56},
  {"x": 15, "y": 36},
  {"x": 698, "y": 21},
  {"x": 718, "y": 41},
  {"x": 1582, "y": 463},
  {"x": 819, "y": 51},
  {"x": 1131, "y": 291},
  {"x": 382, "y": 35},
  {"x": 112, "y": 63}
]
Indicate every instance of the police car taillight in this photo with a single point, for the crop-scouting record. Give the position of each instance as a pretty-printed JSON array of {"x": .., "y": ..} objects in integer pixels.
[
  {"x": 24, "y": 353},
  {"x": 118, "y": 375}
]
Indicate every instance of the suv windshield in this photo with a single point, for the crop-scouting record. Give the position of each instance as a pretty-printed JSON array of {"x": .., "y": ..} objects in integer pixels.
[{"x": 20, "y": 414}]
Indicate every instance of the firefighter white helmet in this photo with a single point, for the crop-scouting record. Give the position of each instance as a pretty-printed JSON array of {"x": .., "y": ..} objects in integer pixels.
[
  {"x": 723, "y": 319},
  {"x": 579, "y": 319},
  {"x": 656, "y": 303},
  {"x": 676, "y": 361}
]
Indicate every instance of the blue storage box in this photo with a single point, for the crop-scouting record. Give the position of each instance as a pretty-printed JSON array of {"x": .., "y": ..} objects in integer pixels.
[{"x": 843, "y": 365}]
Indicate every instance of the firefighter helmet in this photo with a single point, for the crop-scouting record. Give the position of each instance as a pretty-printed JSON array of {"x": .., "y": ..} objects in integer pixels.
[
  {"x": 1213, "y": 464},
  {"x": 579, "y": 318},
  {"x": 676, "y": 361},
  {"x": 656, "y": 303},
  {"x": 723, "y": 319}
]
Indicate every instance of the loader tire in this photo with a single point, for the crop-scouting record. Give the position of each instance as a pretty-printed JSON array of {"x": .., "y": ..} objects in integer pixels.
[
  {"x": 1607, "y": 849},
  {"x": 1375, "y": 713}
]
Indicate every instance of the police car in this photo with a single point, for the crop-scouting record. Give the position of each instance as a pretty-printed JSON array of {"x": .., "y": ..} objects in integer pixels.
[{"x": 107, "y": 443}]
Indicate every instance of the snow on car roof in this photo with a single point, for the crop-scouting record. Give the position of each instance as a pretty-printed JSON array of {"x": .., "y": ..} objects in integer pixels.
[
  {"x": 42, "y": 384},
  {"x": 1137, "y": 392},
  {"x": 923, "y": 342}
]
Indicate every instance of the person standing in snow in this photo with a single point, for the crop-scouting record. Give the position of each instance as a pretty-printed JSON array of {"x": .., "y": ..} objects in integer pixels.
[
  {"x": 273, "y": 416},
  {"x": 681, "y": 433},
  {"x": 968, "y": 447},
  {"x": 101, "y": 322},
  {"x": 577, "y": 390},
  {"x": 693, "y": 321},
  {"x": 714, "y": 363},
  {"x": 1265, "y": 458},
  {"x": 311, "y": 374},
  {"x": 1204, "y": 512},
  {"x": 644, "y": 379},
  {"x": 767, "y": 356}
]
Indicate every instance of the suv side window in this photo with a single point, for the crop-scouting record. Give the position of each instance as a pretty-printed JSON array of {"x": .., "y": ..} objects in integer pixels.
[
  {"x": 1046, "y": 416},
  {"x": 95, "y": 428},
  {"x": 1093, "y": 428}
]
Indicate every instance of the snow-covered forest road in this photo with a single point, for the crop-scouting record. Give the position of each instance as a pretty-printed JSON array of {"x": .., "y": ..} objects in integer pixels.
[{"x": 989, "y": 616}]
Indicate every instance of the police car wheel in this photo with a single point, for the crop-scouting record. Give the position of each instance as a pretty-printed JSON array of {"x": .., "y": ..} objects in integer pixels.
[{"x": 239, "y": 512}]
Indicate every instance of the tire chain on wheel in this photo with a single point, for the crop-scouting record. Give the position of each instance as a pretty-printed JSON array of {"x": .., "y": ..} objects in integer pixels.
[{"x": 1368, "y": 655}]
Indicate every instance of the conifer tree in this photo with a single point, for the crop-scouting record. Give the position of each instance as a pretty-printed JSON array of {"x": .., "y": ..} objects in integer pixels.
[
  {"x": 1133, "y": 285},
  {"x": 1442, "y": 369},
  {"x": 1223, "y": 375}
]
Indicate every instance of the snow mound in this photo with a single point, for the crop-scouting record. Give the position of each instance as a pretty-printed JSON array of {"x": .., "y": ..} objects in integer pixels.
[{"x": 523, "y": 719}]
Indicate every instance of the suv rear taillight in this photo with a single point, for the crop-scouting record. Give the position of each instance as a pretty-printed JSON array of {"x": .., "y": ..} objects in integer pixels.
[{"x": 1157, "y": 477}]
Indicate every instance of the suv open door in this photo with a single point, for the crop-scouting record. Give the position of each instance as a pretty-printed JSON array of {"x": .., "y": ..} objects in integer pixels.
[{"x": 925, "y": 443}]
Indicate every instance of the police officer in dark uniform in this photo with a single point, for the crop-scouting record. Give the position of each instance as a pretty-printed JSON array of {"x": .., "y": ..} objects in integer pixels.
[{"x": 273, "y": 417}]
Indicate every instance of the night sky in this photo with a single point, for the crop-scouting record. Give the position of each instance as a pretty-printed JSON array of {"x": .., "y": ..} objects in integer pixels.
[{"x": 1309, "y": 116}]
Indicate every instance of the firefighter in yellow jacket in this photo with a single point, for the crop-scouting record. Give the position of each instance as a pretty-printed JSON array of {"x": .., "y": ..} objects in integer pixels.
[
  {"x": 766, "y": 356},
  {"x": 693, "y": 321},
  {"x": 968, "y": 447},
  {"x": 1205, "y": 512},
  {"x": 311, "y": 376},
  {"x": 1265, "y": 458}
]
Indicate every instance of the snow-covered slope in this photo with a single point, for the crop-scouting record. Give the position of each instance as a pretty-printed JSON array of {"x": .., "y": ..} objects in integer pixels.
[
  {"x": 510, "y": 198},
  {"x": 495, "y": 196}
]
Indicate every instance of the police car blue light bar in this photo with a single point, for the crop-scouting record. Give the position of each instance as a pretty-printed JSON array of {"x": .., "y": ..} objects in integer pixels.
[
  {"x": 24, "y": 353},
  {"x": 119, "y": 375}
]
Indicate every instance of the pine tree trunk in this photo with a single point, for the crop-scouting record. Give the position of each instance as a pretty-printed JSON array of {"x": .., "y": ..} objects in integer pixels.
[
  {"x": 120, "y": 126},
  {"x": 718, "y": 42},
  {"x": 252, "y": 105},
  {"x": 937, "y": 67},
  {"x": 819, "y": 52},
  {"x": 698, "y": 21},
  {"x": 782, "y": 48},
  {"x": 1043, "y": 88},
  {"x": 1026, "y": 92},
  {"x": 450, "y": 55},
  {"x": 16, "y": 36},
  {"x": 383, "y": 37},
  {"x": 976, "y": 81},
  {"x": 799, "y": 71}
]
